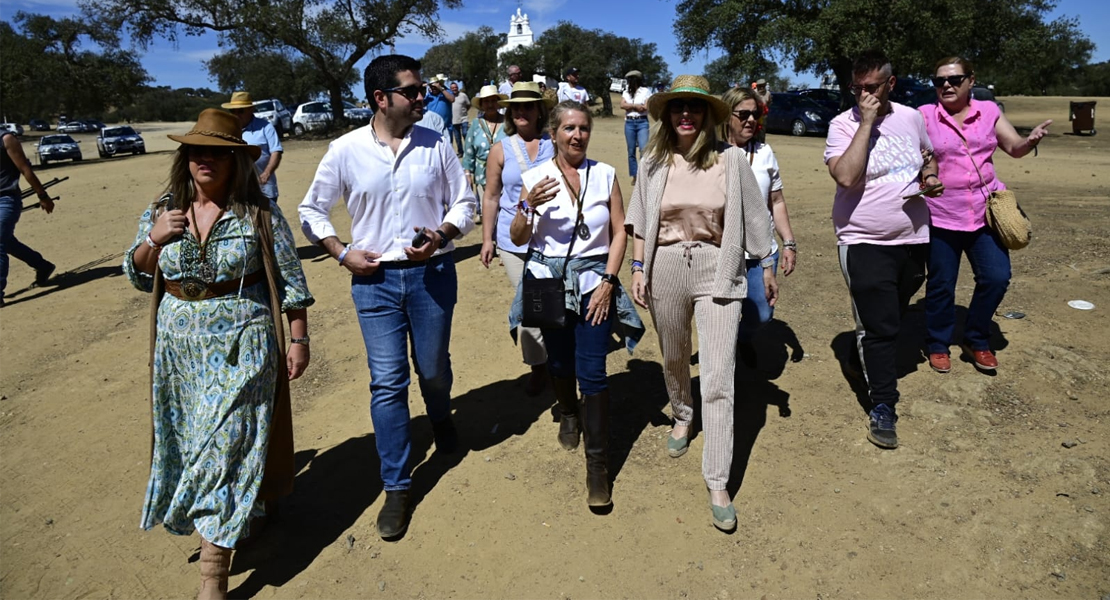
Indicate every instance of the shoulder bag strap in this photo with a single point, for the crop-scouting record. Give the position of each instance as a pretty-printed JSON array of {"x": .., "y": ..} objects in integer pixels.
[
  {"x": 578, "y": 217},
  {"x": 520, "y": 158}
]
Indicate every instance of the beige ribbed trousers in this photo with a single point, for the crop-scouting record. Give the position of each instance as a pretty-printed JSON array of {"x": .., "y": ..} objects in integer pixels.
[
  {"x": 681, "y": 290},
  {"x": 531, "y": 339}
]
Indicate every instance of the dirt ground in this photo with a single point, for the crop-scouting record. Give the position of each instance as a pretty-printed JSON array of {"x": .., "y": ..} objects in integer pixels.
[{"x": 1001, "y": 488}]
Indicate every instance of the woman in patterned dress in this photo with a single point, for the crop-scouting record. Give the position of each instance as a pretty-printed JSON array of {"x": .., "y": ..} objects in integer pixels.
[
  {"x": 210, "y": 244},
  {"x": 486, "y": 130}
]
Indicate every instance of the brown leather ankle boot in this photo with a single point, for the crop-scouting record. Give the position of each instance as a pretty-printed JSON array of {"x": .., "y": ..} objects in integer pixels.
[
  {"x": 596, "y": 439},
  {"x": 215, "y": 565},
  {"x": 566, "y": 395}
]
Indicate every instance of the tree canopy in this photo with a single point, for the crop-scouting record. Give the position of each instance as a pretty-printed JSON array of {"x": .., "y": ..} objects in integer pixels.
[
  {"x": 725, "y": 71},
  {"x": 45, "y": 71},
  {"x": 275, "y": 74},
  {"x": 826, "y": 35},
  {"x": 471, "y": 58},
  {"x": 333, "y": 34}
]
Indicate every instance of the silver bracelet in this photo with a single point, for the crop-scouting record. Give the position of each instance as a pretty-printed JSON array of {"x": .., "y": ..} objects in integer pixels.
[
  {"x": 150, "y": 242},
  {"x": 790, "y": 244},
  {"x": 343, "y": 254},
  {"x": 299, "y": 340}
]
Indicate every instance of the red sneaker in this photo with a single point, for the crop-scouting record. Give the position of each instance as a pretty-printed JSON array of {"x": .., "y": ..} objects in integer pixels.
[
  {"x": 940, "y": 362},
  {"x": 983, "y": 359}
]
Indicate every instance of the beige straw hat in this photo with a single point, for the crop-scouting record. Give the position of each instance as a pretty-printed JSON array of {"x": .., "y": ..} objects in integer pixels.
[
  {"x": 239, "y": 100},
  {"x": 527, "y": 91},
  {"x": 217, "y": 128},
  {"x": 688, "y": 86},
  {"x": 489, "y": 91}
]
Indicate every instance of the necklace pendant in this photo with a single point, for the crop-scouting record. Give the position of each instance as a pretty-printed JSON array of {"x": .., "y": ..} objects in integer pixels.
[{"x": 583, "y": 231}]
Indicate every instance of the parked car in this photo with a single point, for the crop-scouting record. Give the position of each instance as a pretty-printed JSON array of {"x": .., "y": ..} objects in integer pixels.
[
  {"x": 797, "y": 114},
  {"x": 15, "y": 128},
  {"x": 982, "y": 92},
  {"x": 39, "y": 125},
  {"x": 72, "y": 127},
  {"x": 114, "y": 140},
  {"x": 275, "y": 112},
  {"x": 618, "y": 85},
  {"x": 311, "y": 116},
  {"x": 906, "y": 88},
  {"x": 828, "y": 98},
  {"x": 93, "y": 125},
  {"x": 57, "y": 147},
  {"x": 356, "y": 115}
]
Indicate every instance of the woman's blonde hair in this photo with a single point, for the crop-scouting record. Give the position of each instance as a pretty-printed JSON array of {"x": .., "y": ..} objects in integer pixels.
[
  {"x": 735, "y": 96},
  {"x": 560, "y": 110},
  {"x": 663, "y": 143},
  {"x": 243, "y": 190},
  {"x": 541, "y": 118}
]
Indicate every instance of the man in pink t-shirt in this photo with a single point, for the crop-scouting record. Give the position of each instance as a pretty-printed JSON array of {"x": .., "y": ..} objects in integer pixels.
[{"x": 874, "y": 151}]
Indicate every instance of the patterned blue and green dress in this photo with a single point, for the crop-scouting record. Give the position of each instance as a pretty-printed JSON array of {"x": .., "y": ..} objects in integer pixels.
[{"x": 215, "y": 371}]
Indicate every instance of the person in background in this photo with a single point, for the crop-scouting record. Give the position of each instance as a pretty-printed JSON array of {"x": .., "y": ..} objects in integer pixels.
[
  {"x": 439, "y": 99},
  {"x": 570, "y": 90},
  {"x": 695, "y": 210},
  {"x": 634, "y": 103},
  {"x": 460, "y": 112},
  {"x": 525, "y": 146},
  {"x": 261, "y": 133},
  {"x": 965, "y": 133},
  {"x": 506, "y": 87},
  {"x": 397, "y": 179},
  {"x": 13, "y": 163},
  {"x": 487, "y": 129},
  {"x": 222, "y": 264},
  {"x": 875, "y": 153},
  {"x": 573, "y": 224},
  {"x": 759, "y": 306}
]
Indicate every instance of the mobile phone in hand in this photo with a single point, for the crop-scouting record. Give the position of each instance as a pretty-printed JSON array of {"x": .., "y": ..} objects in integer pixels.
[
  {"x": 420, "y": 238},
  {"x": 921, "y": 192}
]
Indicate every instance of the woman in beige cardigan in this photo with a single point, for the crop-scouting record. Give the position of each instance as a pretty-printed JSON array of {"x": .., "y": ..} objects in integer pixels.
[{"x": 695, "y": 209}]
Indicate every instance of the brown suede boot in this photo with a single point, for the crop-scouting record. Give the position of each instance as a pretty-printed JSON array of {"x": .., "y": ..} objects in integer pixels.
[
  {"x": 566, "y": 395},
  {"x": 215, "y": 565},
  {"x": 596, "y": 439}
]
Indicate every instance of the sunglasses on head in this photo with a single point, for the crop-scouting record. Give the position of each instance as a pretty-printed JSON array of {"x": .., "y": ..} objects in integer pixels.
[
  {"x": 744, "y": 115},
  {"x": 410, "y": 92},
  {"x": 952, "y": 80},
  {"x": 869, "y": 88},
  {"x": 690, "y": 106}
]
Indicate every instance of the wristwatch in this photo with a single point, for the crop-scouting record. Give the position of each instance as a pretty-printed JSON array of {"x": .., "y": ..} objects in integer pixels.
[
  {"x": 610, "y": 278},
  {"x": 299, "y": 340},
  {"x": 442, "y": 238}
]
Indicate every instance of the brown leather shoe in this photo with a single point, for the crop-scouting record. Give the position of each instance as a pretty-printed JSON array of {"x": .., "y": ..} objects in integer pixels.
[
  {"x": 983, "y": 359},
  {"x": 940, "y": 362}
]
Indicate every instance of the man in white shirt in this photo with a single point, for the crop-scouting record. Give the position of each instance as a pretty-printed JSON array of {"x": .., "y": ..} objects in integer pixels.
[
  {"x": 398, "y": 179},
  {"x": 634, "y": 103},
  {"x": 570, "y": 90},
  {"x": 506, "y": 87}
]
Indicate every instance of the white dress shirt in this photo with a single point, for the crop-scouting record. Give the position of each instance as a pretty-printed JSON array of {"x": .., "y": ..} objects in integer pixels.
[
  {"x": 423, "y": 185},
  {"x": 640, "y": 97}
]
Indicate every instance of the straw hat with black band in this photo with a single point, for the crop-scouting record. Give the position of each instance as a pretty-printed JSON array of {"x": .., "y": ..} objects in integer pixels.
[
  {"x": 692, "y": 87},
  {"x": 527, "y": 91},
  {"x": 239, "y": 100},
  {"x": 217, "y": 128},
  {"x": 490, "y": 91}
]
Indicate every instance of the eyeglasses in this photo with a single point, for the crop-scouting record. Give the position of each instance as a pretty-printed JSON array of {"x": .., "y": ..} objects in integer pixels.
[
  {"x": 744, "y": 115},
  {"x": 236, "y": 111},
  {"x": 690, "y": 106},
  {"x": 211, "y": 151},
  {"x": 869, "y": 88},
  {"x": 410, "y": 92},
  {"x": 952, "y": 80}
]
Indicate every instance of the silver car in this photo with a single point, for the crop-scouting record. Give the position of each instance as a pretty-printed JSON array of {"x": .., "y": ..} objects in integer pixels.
[
  {"x": 275, "y": 112},
  {"x": 114, "y": 140},
  {"x": 57, "y": 147}
]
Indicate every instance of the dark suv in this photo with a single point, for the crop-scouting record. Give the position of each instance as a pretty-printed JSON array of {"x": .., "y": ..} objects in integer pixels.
[
  {"x": 798, "y": 115},
  {"x": 114, "y": 140}
]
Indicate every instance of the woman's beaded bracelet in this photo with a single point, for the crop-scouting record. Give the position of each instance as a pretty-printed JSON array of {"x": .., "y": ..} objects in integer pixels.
[
  {"x": 153, "y": 244},
  {"x": 636, "y": 263},
  {"x": 790, "y": 245}
]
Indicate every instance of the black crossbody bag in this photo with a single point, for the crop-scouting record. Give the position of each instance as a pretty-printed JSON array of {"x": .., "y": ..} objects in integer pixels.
[{"x": 544, "y": 298}]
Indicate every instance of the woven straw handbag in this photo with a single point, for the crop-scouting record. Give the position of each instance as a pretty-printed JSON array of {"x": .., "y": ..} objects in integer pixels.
[{"x": 1007, "y": 220}]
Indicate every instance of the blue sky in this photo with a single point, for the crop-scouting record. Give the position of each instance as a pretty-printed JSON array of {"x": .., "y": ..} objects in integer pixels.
[{"x": 650, "y": 20}]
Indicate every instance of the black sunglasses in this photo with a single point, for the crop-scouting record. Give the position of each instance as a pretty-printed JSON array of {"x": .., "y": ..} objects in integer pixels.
[
  {"x": 952, "y": 80},
  {"x": 744, "y": 115},
  {"x": 410, "y": 92},
  {"x": 691, "y": 106}
]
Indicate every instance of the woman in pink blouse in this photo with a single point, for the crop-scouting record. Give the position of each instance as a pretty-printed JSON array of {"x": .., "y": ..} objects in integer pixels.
[{"x": 965, "y": 133}]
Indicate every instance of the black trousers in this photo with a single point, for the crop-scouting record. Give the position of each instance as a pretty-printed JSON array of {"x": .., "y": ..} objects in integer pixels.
[{"x": 881, "y": 280}]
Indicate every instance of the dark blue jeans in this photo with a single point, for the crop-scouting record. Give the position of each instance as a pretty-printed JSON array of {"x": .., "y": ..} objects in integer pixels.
[
  {"x": 635, "y": 135},
  {"x": 755, "y": 311},
  {"x": 10, "y": 208},
  {"x": 458, "y": 133},
  {"x": 580, "y": 349},
  {"x": 396, "y": 306},
  {"x": 990, "y": 263}
]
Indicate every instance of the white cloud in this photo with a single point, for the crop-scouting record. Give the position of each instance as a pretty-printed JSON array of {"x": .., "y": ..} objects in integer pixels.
[{"x": 542, "y": 7}]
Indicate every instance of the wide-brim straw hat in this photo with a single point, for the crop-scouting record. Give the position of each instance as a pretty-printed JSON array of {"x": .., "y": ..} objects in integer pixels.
[
  {"x": 439, "y": 78},
  {"x": 239, "y": 100},
  {"x": 217, "y": 128},
  {"x": 490, "y": 91},
  {"x": 688, "y": 86},
  {"x": 527, "y": 91},
  {"x": 636, "y": 74}
]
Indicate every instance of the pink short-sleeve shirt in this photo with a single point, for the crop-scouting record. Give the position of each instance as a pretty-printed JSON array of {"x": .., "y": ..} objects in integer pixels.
[{"x": 963, "y": 205}]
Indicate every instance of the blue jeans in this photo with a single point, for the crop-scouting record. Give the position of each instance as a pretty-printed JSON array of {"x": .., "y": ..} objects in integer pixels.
[
  {"x": 580, "y": 349},
  {"x": 10, "y": 208},
  {"x": 635, "y": 134},
  {"x": 755, "y": 311},
  {"x": 398, "y": 305},
  {"x": 990, "y": 262},
  {"x": 458, "y": 135}
]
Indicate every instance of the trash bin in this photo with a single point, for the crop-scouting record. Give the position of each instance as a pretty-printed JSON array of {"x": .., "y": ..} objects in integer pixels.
[{"x": 1082, "y": 117}]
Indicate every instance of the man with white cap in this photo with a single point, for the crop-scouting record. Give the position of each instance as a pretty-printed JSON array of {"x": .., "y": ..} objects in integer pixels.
[
  {"x": 258, "y": 132},
  {"x": 634, "y": 103},
  {"x": 439, "y": 98},
  {"x": 570, "y": 90}
]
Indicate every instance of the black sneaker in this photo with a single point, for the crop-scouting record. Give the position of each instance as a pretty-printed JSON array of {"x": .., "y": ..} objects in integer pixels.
[
  {"x": 42, "y": 276},
  {"x": 393, "y": 520},
  {"x": 882, "y": 432},
  {"x": 446, "y": 437}
]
